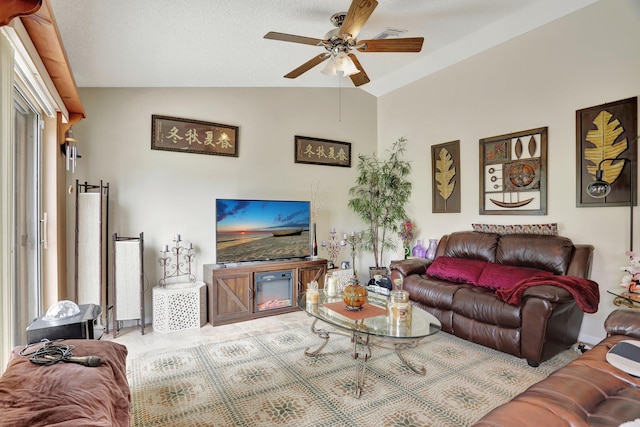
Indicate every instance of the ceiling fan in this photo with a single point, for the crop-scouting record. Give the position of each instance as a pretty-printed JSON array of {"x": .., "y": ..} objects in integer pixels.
[{"x": 340, "y": 41}]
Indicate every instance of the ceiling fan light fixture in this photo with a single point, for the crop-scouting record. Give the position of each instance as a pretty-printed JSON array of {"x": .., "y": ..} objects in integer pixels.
[
  {"x": 343, "y": 39},
  {"x": 341, "y": 64},
  {"x": 330, "y": 68},
  {"x": 346, "y": 65}
]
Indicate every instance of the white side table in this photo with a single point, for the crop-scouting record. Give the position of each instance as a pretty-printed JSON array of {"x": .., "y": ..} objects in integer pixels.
[{"x": 179, "y": 306}]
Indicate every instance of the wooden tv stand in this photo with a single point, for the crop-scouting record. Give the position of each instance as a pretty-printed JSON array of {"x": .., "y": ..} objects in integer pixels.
[{"x": 231, "y": 289}]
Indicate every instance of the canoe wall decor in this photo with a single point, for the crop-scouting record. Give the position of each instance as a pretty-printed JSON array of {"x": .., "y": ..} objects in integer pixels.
[{"x": 513, "y": 173}]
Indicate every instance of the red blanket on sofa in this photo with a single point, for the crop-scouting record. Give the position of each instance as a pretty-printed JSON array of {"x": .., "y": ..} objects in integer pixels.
[{"x": 584, "y": 291}]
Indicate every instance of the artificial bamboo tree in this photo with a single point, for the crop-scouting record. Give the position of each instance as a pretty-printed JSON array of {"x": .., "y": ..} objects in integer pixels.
[{"x": 379, "y": 197}]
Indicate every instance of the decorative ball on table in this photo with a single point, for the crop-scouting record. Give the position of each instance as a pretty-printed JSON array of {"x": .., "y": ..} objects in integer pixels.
[{"x": 354, "y": 295}]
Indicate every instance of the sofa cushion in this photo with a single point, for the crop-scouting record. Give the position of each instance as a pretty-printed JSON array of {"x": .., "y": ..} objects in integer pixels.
[
  {"x": 497, "y": 276},
  {"x": 457, "y": 270},
  {"x": 479, "y": 316},
  {"x": 551, "y": 253},
  {"x": 431, "y": 291},
  {"x": 472, "y": 245},
  {"x": 434, "y": 295}
]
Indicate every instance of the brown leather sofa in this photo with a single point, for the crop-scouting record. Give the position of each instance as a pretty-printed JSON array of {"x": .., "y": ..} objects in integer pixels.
[
  {"x": 587, "y": 392},
  {"x": 546, "y": 322}
]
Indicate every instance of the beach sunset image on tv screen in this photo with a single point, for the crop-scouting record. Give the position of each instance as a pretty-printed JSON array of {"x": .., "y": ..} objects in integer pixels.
[{"x": 259, "y": 230}]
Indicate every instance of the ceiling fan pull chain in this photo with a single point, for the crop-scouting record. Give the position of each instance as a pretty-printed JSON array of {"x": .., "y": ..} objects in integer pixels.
[{"x": 340, "y": 97}]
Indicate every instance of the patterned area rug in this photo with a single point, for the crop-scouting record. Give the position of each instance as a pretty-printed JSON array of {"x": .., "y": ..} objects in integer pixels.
[{"x": 266, "y": 380}]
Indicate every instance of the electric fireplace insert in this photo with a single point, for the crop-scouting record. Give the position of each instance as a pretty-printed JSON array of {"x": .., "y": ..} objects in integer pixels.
[{"x": 274, "y": 290}]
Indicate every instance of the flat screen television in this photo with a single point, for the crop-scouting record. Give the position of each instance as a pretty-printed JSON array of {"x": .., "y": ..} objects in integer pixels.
[{"x": 261, "y": 230}]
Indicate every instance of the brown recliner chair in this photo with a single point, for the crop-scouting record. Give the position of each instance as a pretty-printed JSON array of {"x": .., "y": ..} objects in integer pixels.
[{"x": 587, "y": 392}]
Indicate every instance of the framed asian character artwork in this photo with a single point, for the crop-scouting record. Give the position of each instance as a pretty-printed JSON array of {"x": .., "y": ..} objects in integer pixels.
[
  {"x": 193, "y": 136},
  {"x": 445, "y": 167},
  {"x": 318, "y": 151},
  {"x": 605, "y": 133},
  {"x": 513, "y": 173}
]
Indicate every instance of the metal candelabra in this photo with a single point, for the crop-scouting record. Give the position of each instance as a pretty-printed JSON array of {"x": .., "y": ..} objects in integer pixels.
[
  {"x": 353, "y": 240},
  {"x": 181, "y": 267},
  {"x": 333, "y": 247}
]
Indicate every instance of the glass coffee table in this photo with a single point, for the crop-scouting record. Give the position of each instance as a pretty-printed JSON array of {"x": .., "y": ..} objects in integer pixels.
[{"x": 378, "y": 330}]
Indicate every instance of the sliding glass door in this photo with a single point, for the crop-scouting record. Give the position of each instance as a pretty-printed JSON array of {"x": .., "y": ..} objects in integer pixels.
[{"x": 27, "y": 240}]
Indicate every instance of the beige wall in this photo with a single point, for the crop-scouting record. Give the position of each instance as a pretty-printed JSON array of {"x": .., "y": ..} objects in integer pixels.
[
  {"x": 164, "y": 193},
  {"x": 539, "y": 79}
]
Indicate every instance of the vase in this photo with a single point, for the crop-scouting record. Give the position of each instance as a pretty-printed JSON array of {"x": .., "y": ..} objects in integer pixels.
[
  {"x": 418, "y": 250},
  {"x": 314, "y": 242},
  {"x": 330, "y": 285},
  {"x": 431, "y": 250}
]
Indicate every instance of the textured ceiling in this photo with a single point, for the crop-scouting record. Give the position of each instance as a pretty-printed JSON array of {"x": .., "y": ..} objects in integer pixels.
[{"x": 219, "y": 43}]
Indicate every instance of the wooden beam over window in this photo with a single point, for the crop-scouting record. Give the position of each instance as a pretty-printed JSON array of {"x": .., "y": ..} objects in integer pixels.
[
  {"x": 10, "y": 9},
  {"x": 43, "y": 31}
]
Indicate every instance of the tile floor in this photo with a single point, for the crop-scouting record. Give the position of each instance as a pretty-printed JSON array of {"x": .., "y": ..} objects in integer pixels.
[{"x": 138, "y": 344}]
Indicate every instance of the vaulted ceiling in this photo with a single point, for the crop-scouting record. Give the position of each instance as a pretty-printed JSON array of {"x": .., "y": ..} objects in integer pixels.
[{"x": 206, "y": 43}]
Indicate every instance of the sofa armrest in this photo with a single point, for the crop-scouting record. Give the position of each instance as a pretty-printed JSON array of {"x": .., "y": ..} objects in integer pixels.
[
  {"x": 623, "y": 322},
  {"x": 407, "y": 267},
  {"x": 551, "y": 293}
]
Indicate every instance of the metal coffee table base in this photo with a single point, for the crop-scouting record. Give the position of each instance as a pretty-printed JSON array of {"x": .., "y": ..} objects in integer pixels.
[{"x": 362, "y": 343}]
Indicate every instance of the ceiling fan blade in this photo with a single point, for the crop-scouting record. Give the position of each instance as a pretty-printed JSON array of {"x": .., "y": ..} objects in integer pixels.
[
  {"x": 413, "y": 44},
  {"x": 307, "y": 65},
  {"x": 360, "y": 78},
  {"x": 357, "y": 15},
  {"x": 272, "y": 35}
]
